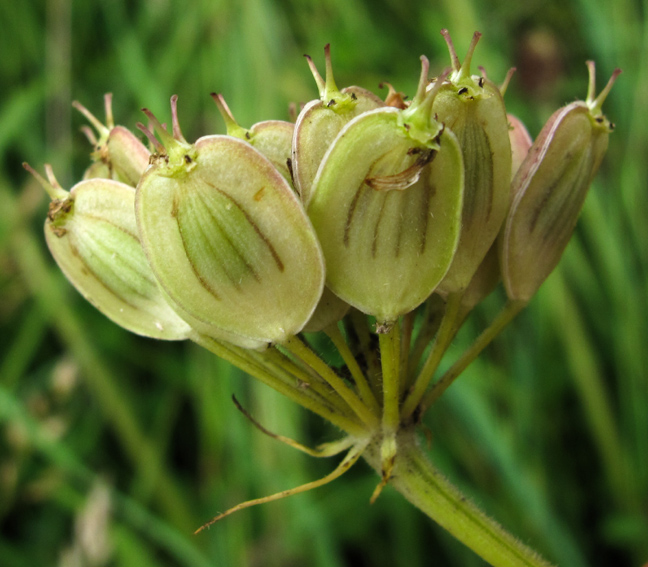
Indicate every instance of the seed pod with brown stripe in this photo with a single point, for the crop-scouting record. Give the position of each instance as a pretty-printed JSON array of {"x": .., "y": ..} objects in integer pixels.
[
  {"x": 473, "y": 108},
  {"x": 386, "y": 206},
  {"x": 549, "y": 190},
  {"x": 117, "y": 148},
  {"x": 320, "y": 121},
  {"x": 92, "y": 233},
  {"x": 227, "y": 238}
]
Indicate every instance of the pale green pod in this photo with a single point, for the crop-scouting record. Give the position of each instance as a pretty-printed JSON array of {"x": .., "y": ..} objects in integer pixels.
[
  {"x": 473, "y": 108},
  {"x": 549, "y": 191},
  {"x": 273, "y": 138},
  {"x": 228, "y": 239},
  {"x": 117, "y": 147},
  {"x": 386, "y": 206},
  {"x": 92, "y": 234},
  {"x": 320, "y": 121}
]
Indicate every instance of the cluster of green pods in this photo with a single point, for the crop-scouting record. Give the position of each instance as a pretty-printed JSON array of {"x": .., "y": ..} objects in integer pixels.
[{"x": 361, "y": 203}]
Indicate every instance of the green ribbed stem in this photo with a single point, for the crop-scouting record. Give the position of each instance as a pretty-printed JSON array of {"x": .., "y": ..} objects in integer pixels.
[
  {"x": 445, "y": 335},
  {"x": 295, "y": 346},
  {"x": 362, "y": 385}
]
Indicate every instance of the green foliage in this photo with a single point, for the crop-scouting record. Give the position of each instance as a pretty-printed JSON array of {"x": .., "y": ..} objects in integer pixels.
[{"x": 548, "y": 430}]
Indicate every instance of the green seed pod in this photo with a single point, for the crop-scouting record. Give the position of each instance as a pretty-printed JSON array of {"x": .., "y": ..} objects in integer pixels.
[
  {"x": 321, "y": 120},
  {"x": 273, "y": 138},
  {"x": 549, "y": 190},
  {"x": 386, "y": 206},
  {"x": 92, "y": 234},
  {"x": 521, "y": 142},
  {"x": 227, "y": 238},
  {"x": 473, "y": 108},
  {"x": 117, "y": 147}
]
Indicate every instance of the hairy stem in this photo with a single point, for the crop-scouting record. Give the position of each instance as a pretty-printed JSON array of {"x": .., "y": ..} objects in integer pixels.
[{"x": 415, "y": 477}]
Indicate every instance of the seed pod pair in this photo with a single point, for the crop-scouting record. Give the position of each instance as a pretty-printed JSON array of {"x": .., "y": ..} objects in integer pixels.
[
  {"x": 549, "y": 190},
  {"x": 386, "y": 206},
  {"x": 321, "y": 120},
  {"x": 473, "y": 108},
  {"x": 92, "y": 234},
  {"x": 227, "y": 238},
  {"x": 118, "y": 153}
]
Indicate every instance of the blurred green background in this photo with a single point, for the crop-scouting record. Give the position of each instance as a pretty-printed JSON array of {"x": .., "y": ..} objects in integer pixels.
[{"x": 114, "y": 448}]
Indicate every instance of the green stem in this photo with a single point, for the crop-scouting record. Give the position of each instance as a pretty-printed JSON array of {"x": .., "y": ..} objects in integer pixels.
[
  {"x": 425, "y": 487},
  {"x": 334, "y": 333},
  {"x": 361, "y": 329},
  {"x": 505, "y": 316},
  {"x": 390, "y": 351},
  {"x": 241, "y": 359},
  {"x": 406, "y": 343},
  {"x": 295, "y": 346},
  {"x": 390, "y": 359},
  {"x": 444, "y": 337}
]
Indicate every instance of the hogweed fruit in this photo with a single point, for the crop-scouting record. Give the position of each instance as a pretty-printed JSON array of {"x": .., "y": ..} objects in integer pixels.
[
  {"x": 473, "y": 108},
  {"x": 321, "y": 120},
  {"x": 549, "y": 190},
  {"x": 228, "y": 239},
  {"x": 121, "y": 155},
  {"x": 92, "y": 234},
  {"x": 386, "y": 206}
]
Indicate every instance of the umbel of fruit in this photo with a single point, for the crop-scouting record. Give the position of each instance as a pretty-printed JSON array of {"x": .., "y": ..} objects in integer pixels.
[
  {"x": 403, "y": 200},
  {"x": 228, "y": 239}
]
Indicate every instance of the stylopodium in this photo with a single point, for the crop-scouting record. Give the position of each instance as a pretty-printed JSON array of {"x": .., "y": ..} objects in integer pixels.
[{"x": 364, "y": 217}]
